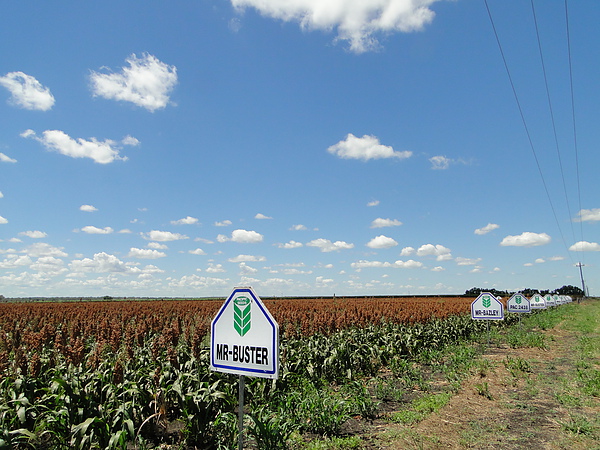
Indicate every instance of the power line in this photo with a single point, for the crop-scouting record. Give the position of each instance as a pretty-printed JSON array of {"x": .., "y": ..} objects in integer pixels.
[{"x": 525, "y": 125}]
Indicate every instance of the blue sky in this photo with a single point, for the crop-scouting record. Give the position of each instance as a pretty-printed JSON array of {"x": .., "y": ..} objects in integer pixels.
[{"x": 303, "y": 147}]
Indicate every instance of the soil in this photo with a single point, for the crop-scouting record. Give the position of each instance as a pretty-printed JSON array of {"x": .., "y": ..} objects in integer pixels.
[{"x": 497, "y": 408}]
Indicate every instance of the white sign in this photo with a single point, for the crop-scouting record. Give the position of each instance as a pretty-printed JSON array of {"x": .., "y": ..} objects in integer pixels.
[
  {"x": 518, "y": 303},
  {"x": 487, "y": 307},
  {"x": 538, "y": 302},
  {"x": 550, "y": 300},
  {"x": 244, "y": 337}
]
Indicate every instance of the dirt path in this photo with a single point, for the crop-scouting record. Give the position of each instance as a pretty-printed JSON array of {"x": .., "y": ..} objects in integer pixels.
[{"x": 524, "y": 398}]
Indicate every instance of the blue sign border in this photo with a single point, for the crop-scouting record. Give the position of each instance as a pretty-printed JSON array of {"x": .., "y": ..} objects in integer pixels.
[
  {"x": 273, "y": 324},
  {"x": 474, "y": 317}
]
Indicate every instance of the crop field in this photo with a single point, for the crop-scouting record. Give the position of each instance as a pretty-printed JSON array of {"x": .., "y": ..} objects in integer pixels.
[{"x": 135, "y": 374}]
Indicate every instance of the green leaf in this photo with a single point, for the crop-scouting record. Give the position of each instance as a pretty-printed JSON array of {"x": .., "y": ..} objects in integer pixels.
[{"x": 241, "y": 315}]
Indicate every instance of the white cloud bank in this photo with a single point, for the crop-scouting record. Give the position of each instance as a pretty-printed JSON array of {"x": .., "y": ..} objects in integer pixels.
[
  {"x": 589, "y": 215},
  {"x": 163, "y": 236},
  {"x": 381, "y": 223},
  {"x": 146, "y": 82},
  {"x": 90, "y": 229},
  {"x": 584, "y": 246},
  {"x": 185, "y": 221},
  {"x": 102, "y": 152},
  {"x": 526, "y": 239},
  {"x": 381, "y": 242},
  {"x": 365, "y": 148},
  {"x": 27, "y": 92},
  {"x": 357, "y": 22},
  {"x": 241, "y": 237},
  {"x": 439, "y": 251},
  {"x": 326, "y": 246}
]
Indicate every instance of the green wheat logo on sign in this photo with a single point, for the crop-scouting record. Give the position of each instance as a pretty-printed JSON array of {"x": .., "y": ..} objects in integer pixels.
[
  {"x": 518, "y": 300},
  {"x": 486, "y": 301},
  {"x": 241, "y": 315}
]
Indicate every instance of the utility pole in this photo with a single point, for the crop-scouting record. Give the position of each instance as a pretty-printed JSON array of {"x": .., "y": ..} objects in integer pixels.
[{"x": 581, "y": 274}]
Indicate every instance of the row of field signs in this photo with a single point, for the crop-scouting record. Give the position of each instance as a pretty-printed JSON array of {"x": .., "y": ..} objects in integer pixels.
[{"x": 488, "y": 307}]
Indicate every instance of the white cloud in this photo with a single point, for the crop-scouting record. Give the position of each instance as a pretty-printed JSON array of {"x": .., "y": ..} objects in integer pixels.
[
  {"x": 101, "y": 263},
  {"x": 584, "y": 246},
  {"x": 145, "y": 253},
  {"x": 298, "y": 227},
  {"x": 49, "y": 265},
  {"x": 466, "y": 261},
  {"x": 247, "y": 258},
  {"x": 439, "y": 251},
  {"x": 147, "y": 82},
  {"x": 588, "y": 215},
  {"x": 526, "y": 239},
  {"x": 540, "y": 260},
  {"x": 163, "y": 236},
  {"x": 224, "y": 223},
  {"x": 1, "y": 194},
  {"x": 157, "y": 246},
  {"x": 3, "y": 220},
  {"x": 326, "y": 246},
  {"x": 101, "y": 152},
  {"x": 291, "y": 244},
  {"x": 242, "y": 237},
  {"x": 41, "y": 249},
  {"x": 373, "y": 203},
  {"x": 185, "y": 221},
  {"x": 245, "y": 269},
  {"x": 485, "y": 230},
  {"x": 381, "y": 223},
  {"x": 195, "y": 281},
  {"x": 95, "y": 230},
  {"x": 197, "y": 251},
  {"x": 410, "y": 264},
  {"x": 407, "y": 251},
  {"x": 365, "y": 148},
  {"x": 356, "y": 22},
  {"x": 13, "y": 261},
  {"x": 27, "y": 92},
  {"x": 130, "y": 141},
  {"x": 33, "y": 234},
  {"x": 261, "y": 216},
  {"x": 88, "y": 208},
  {"x": 438, "y": 269},
  {"x": 215, "y": 268},
  {"x": 439, "y": 162},
  {"x": 6, "y": 159},
  {"x": 382, "y": 241}
]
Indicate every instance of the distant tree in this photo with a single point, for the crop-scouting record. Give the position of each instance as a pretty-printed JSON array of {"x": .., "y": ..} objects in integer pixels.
[
  {"x": 474, "y": 292},
  {"x": 529, "y": 292},
  {"x": 573, "y": 291},
  {"x": 2, "y": 297}
]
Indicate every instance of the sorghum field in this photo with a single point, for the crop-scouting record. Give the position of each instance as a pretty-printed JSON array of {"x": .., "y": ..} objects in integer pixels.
[{"x": 135, "y": 374}]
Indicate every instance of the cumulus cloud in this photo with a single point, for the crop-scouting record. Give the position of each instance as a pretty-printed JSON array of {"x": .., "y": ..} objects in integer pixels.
[
  {"x": 101, "y": 152},
  {"x": 224, "y": 223},
  {"x": 95, "y": 230},
  {"x": 365, "y": 148},
  {"x": 197, "y": 251},
  {"x": 146, "y": 82},
  {"x": 3, "y": 220},
  {"x": 35, "y": 234},
  {"x": 588, "y": 215},
  {"x": 326, "y": 246},
  {"x": 145, "y": 253},
  {"x": 291, "y": 244},
  {"x": 439, "y": 251},
  {"x": 298, "y": 227},
  {"x": 242, "y": 237},
  {"x": 49, "y": 265},
  {"x": 584, "y": 246},
  {"x": 357, "y": 22},
  {"x": 526, "y": 239},
  {"x": 101, "y": 263},
  {"x": 485, "y": 230},
  {"x": 247, "y": 258},
  {"x": 1, "y": 194},
  {"x": 363, "y": 264},
  {"x": 163, "y": 236},
  {"x": 381, "y": 241},
  {"x": 261, "y": 216},
  {"x": 41, "y": 249},
  {"x": 6, "y": 159},
  {"x": 157, "y": 246},
  {"x": 466, "y": 261},
  {"x": 88, "y": 208},
  {"x": 27, "y": 92},
  {"x": 185, "y": 221},
  {"x": 381, "y": 223},
  {"x": 373, "y": 203},
  {"x": 215, "y": 268},
  {"x": 407, "y": 251}
]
